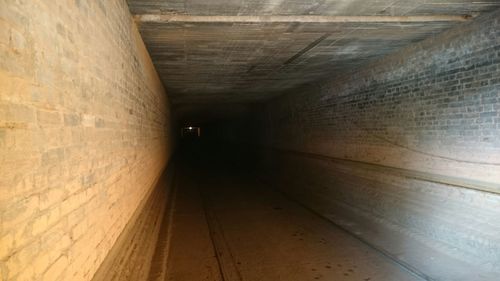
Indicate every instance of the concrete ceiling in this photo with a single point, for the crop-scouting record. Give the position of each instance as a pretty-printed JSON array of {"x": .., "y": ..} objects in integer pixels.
[{"x": 230, "y": 57}]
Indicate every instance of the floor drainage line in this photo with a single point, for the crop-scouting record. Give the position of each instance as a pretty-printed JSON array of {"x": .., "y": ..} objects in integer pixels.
[
  {"x": 216, "y": 250},
  {"x": 224, "y": 240},
  {"x": 210, "y": 223},
  {"x": 411, "y": 269},
  {"x": 213, "y": 221}
]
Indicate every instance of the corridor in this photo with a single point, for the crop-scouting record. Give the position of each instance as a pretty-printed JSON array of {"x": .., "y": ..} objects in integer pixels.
[{"x": 249, "y": 140}]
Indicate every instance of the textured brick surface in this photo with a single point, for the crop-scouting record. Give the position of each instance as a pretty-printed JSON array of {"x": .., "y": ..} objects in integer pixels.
[
  {"x": 131, "y": 256},
  {"x": 433, "y": 108},
  {"x": 438, "y": 100},
  {"x": 84, "y": 134}
]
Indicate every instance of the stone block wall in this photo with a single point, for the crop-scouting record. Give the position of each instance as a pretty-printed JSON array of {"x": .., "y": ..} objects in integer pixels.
[{"x": 84, "y": 134}]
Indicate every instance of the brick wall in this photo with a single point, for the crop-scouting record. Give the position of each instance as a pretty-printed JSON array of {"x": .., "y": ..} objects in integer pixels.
[
  {"x": 437, "y": 100},
  {"x": 410, "y": 141},
  {"x": 84, "y": 134},
  {"x": 131, "y": 257}
]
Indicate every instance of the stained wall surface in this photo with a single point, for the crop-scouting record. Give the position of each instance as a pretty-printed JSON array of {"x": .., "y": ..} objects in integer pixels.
[
  {"x": 84, "y": 134},
  {"x": 407, "y": 147}
]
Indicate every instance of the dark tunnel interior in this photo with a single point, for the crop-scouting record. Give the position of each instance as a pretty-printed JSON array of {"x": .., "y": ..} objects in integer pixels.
[{"x": 250, "y": 140}]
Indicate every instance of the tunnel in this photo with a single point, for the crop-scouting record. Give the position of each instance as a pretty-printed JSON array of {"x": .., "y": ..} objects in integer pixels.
[{"x": 249, "y": 140}]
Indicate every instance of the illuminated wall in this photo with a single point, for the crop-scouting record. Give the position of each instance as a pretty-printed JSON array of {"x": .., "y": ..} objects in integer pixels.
[{"x": 84, "y": 136}]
